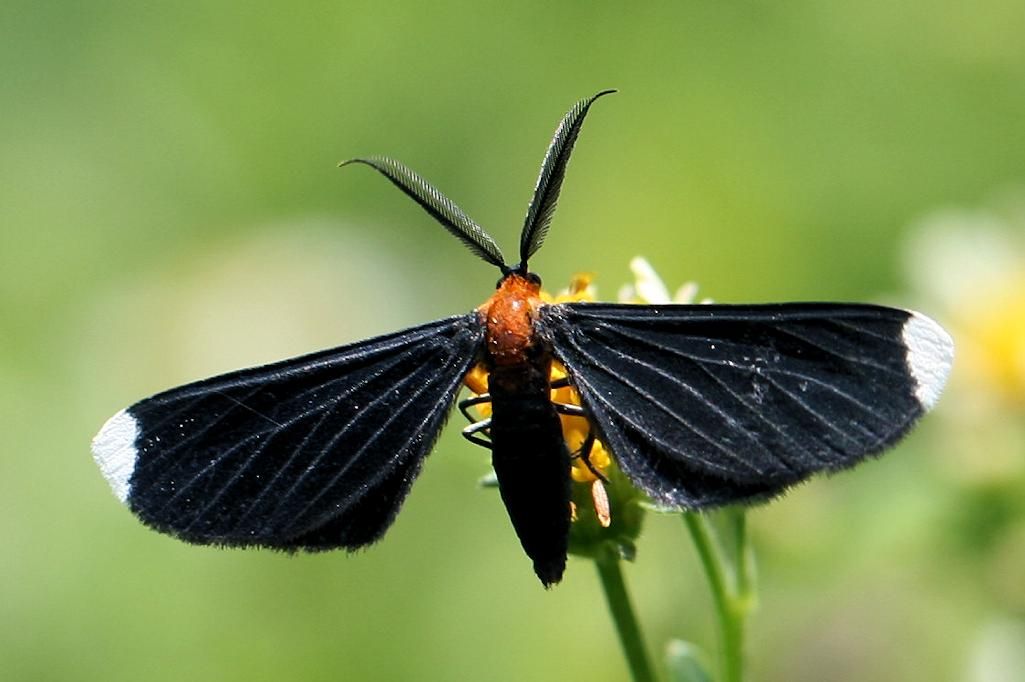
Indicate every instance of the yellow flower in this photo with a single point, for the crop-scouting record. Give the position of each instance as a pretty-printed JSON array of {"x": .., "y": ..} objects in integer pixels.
[
  {"x": 477, "y": 381},
  {"x": 993, "y": 339},
  {"x": 971, "y": 265},
  {"x": 969, "y": 268},
  {"x": 579, "y": 289}
]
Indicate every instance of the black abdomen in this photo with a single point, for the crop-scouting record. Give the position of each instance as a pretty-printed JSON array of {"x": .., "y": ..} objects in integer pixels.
[{"x": 532, "y": 464}]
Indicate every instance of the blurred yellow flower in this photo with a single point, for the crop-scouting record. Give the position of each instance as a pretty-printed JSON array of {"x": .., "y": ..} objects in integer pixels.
[
  {"x": 969, "y": 269},
  {"x": 993, "y": 338}
]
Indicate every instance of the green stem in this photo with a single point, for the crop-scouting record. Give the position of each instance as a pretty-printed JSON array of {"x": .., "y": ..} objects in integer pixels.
[
  {"x": 732, "y": 589},
  {"x": 743, "y": 555},
  {"x": 630, "y": 637}
]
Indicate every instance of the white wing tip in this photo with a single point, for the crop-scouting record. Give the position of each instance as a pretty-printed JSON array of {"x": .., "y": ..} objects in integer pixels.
[
  {"x": 115, "y": 451},
  {"x": 930, "y": 355}
]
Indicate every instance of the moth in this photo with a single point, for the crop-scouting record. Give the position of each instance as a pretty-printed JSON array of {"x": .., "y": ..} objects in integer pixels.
[{"x": 700, "y": 405}]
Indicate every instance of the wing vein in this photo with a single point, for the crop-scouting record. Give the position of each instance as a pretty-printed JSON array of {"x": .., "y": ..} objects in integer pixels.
[
  {"x": 324, "y": 409},
  {"x": 649, "y": 398},
  {"x": 758, "y": 414},
  {"x": 444, "y": 371},
  {"x": 324, "y": 406},
  {"x": 835, "y": 353},
  {"x": 765, "y": 371},
  {"x": 828, "y": 423}
]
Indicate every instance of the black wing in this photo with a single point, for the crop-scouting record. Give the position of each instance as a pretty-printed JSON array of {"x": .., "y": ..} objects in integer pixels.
[
  {"x": 311, "y": 453},
  {"x": 712, "y": 404}
]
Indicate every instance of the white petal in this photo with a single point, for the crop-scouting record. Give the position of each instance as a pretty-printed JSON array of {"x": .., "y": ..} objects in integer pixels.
[{"x": 650, "y": 288}]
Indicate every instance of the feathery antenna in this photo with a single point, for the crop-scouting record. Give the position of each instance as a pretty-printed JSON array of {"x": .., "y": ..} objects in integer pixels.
[
  {"x": 549, "y": 181},
  {"x": 440, "y": 207}
]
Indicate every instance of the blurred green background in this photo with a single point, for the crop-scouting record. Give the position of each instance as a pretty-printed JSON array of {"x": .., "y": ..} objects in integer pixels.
[{"x": 170, "y": 208}]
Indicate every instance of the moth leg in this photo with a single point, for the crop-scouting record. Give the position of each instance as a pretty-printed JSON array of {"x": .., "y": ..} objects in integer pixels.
[
  {"x": 584, "y": 453},
  {"x": 471, "y": 431},
  {"x": 465, "y": 404},
  {"x": 599, "y": 496},
  {"x": 570, "y": 410}
]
